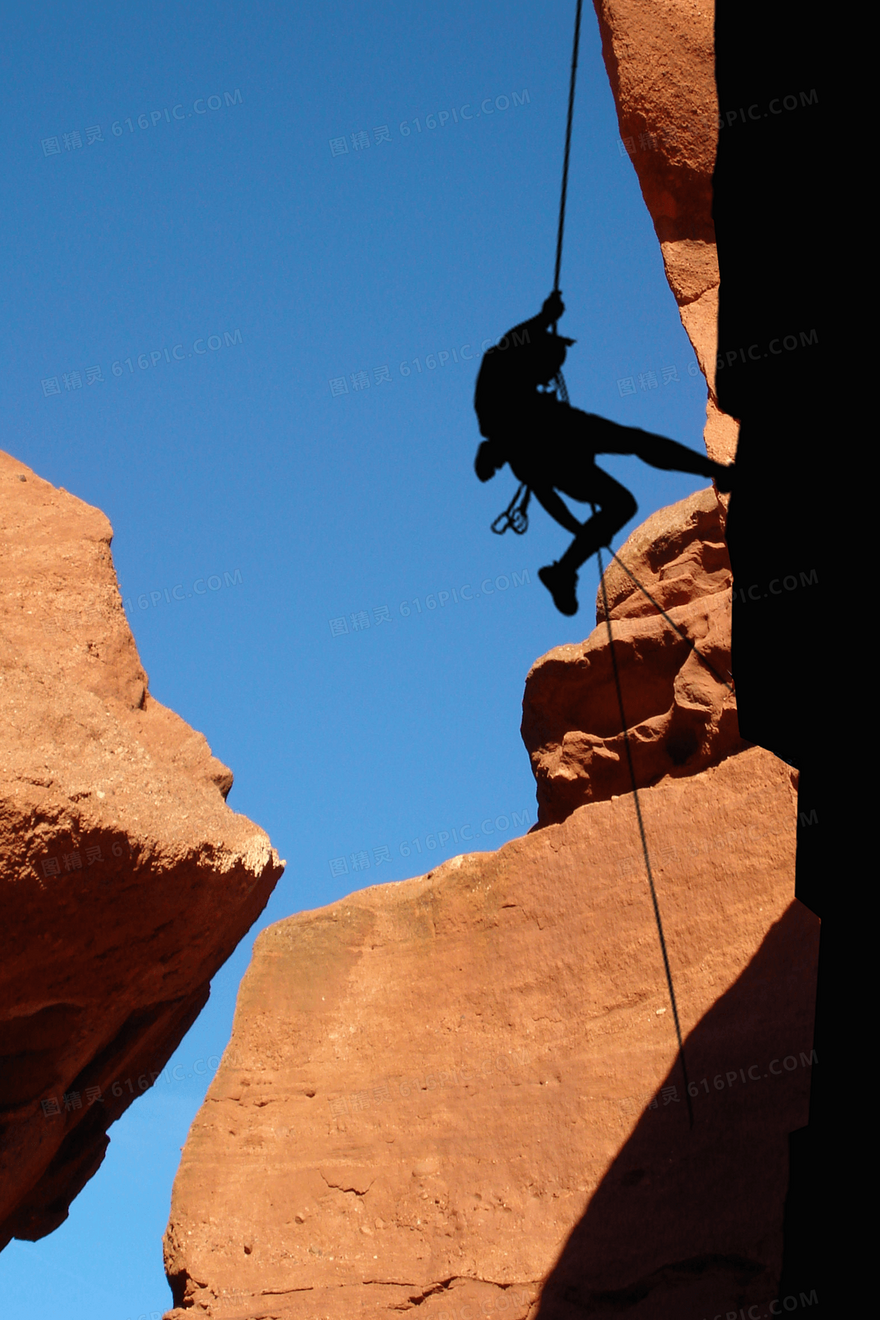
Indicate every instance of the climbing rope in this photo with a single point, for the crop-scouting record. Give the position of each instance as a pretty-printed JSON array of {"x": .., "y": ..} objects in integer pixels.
[
  {"x": 512, "y": 516},
  {"x": 692, "y": 646},
  {"x": 644, "y": 841},
  {"x": 574, "y": 60},
  {"x": 563, "y": 396},
  {"x": 560, "y": 379},
  {"x": 515, "y": 516}
]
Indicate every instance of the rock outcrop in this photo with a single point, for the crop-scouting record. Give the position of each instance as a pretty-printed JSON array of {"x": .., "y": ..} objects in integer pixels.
[
  {"x": 660, "y": 62},
  {"x": 672, "y": 650},
  {"x": 127, "y": 881},
  {"x": 462, "y": 1092}
]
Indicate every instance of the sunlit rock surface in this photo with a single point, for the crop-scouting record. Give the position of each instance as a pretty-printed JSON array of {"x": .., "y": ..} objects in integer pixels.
[
  {"x": 672, "y": 651},
  {"x": 661, "y": 65},
  {"x": 127, "y": 881},
  {"x": 465, "y": 1088}
]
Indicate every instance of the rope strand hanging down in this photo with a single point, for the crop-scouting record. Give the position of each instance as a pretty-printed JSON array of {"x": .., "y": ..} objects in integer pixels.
[
  {"x": 574, "y": 60},
  {"x": 560, "y": 379},
  {"x": 563, "y": 395},
  {"x": 517, "y": 518},
  {"x": 684, "y": 637},
  {"x": 644, "y": 841}
]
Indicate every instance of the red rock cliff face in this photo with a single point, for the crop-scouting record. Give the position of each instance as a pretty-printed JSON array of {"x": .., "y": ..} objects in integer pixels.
[
  {"x": 660, "y": 62},
  {"x": 127, "y": 881},
  {"x": 461, "y": 1093}
]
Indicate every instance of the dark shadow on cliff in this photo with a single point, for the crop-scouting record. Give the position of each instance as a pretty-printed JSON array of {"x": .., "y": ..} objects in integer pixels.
[
  {"x": 771, "y": 377},
  {"x": 688, "y": 1223}
]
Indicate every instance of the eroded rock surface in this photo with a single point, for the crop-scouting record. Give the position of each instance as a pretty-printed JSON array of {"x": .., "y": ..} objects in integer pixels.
[
  {"x": 673, "y": 660},
  {"x": 432, "y": 1085},
  {"x": 127, "y": 881},
  {"x": 661, "y": 66}
]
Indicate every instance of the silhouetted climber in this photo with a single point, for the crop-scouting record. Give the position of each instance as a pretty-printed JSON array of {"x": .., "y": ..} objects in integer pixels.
[{"x": 551, "y": 446}]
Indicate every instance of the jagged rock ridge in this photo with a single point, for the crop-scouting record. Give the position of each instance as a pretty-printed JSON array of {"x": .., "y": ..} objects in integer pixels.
[{"x": 672, "y": 649}]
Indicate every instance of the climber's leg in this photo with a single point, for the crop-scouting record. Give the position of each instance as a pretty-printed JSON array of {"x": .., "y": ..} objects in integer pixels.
[{"x": 617, "y": 506}]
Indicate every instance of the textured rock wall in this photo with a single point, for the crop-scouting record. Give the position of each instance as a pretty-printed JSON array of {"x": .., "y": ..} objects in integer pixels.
[
  {"x": 660, "y": 62},
  {"x": 454, "y": 1092},
  {"x": 673, "y": 659},
  {"x": 127, "y": 881}
]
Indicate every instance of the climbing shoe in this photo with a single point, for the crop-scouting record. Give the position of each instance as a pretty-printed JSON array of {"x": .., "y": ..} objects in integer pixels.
[{"x": 562, "y": 584}]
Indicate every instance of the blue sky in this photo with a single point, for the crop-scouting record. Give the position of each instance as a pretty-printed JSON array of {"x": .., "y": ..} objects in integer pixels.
[{"x": 229, "y": 268}]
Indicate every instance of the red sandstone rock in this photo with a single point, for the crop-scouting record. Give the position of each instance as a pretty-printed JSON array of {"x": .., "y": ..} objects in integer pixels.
[
  {"x": 660, "y": 62},
  {"x": 440, "y": 1091},
  {"x": 127, "y": 881},
  {"x": 675, "y": 680}
]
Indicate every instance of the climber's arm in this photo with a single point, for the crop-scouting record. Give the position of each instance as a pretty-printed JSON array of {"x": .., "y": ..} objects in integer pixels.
[{"x": 549, "y": 314}]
